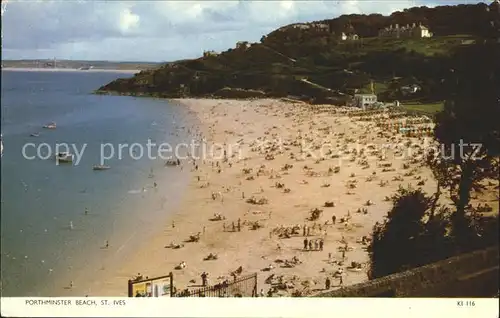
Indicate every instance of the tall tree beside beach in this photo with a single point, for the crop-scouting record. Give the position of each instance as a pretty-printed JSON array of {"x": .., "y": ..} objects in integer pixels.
[
  {"x": 413, "y": 234},
  {"x": 468, "y": 132},
  {"x": 417, "y": 230}
]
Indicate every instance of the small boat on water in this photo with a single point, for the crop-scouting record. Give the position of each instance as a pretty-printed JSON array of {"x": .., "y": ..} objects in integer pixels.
[
  {"x": 35, "y": 135},
  {"x": 64, "y": 157},
  {"x": 52, "y": 125},
  {"x": 100, "y": 167}
]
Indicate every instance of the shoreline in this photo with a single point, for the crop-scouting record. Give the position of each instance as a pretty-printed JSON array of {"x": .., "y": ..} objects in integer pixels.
[
  {"x": 94, "y": 70},
  {"x": 244, "y": 122},
  {"x": 150, "y": 212}
]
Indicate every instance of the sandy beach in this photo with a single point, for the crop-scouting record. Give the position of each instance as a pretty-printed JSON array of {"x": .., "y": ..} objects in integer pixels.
[
  {"x": 286, "y": 161},
  {"x": 21, "y": 69}
]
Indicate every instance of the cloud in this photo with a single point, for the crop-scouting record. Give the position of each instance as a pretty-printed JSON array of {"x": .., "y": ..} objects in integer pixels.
[
  {"x": 128, "y": 21},
  {"x": 158, "y": 30}
]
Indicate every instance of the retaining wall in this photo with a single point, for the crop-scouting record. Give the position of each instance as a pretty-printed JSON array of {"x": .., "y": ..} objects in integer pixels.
[{"x": 468, "y": 275}]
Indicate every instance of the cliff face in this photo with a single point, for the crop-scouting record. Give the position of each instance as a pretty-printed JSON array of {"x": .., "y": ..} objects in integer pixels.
[{"x": 314, "y": 51}]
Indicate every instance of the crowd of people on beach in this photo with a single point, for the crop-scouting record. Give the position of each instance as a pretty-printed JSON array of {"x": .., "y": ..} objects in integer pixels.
[{"x": 320, "y": 232}]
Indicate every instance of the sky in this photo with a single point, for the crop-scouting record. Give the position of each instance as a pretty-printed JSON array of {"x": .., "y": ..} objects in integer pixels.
[{"x": 160, "y": 31}]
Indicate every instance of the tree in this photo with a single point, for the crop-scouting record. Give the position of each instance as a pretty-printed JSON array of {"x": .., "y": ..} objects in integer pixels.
[
  {"x": 413, "y": 234},
  {"x": 469, "y": 134}
]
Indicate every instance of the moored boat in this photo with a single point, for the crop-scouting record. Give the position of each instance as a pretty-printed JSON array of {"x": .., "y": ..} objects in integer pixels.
[
  {"x": 64, "y": 157},
  {"x": 52, "y": 125},
  {"x": 100, "y": 167}
]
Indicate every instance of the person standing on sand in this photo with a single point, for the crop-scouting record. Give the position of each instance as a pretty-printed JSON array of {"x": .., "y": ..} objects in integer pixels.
[
  {"x": 321, "y": 245},
  {"x": 239, "y": 225},
  {"x": 304, "y": 230},
  {"x": 310, "y": 245},
  {"x": 305, "y": 243},
  {"x": 233, "y": 226},
  {"x": 86, "y": 211},
  {"x": 334, "y": 218},
  {"x": 204, "y": 279},
  {"x": 316, "y": 245},
  {"x": 327, "y": 283}
]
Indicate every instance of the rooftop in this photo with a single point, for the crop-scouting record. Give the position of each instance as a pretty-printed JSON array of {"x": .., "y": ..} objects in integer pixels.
[{"x": 366, "y": 95}]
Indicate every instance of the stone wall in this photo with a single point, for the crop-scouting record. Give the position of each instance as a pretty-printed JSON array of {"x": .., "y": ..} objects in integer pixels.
[{"x": 468, "y": 275}]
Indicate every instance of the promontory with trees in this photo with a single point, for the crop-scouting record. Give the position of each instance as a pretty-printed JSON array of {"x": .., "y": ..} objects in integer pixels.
[{"x": 333, "y": 61}]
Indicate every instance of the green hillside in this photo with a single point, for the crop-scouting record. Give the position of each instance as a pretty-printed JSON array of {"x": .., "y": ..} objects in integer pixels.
[{"x": 313, "y": 63}]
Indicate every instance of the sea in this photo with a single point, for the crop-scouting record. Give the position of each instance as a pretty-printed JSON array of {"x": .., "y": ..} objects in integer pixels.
[{"x": 56, "y": 219}]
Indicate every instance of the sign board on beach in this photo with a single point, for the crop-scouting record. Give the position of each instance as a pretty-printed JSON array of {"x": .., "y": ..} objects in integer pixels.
[{"x": 151, "y": 287}]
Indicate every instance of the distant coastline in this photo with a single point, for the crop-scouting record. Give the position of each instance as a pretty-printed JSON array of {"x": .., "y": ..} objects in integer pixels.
[{"x": 93, "y": 70}]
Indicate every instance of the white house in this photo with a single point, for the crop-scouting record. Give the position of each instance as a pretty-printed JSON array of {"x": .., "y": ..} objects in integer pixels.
[
  {"x": 351, "y": 36},
  {"x": 364, "y": 100},
  {"x": 421, "y": 32}
]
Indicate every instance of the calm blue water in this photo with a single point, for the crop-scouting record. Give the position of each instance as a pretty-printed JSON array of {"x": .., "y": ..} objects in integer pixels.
[{"x": 40, "y": 199}]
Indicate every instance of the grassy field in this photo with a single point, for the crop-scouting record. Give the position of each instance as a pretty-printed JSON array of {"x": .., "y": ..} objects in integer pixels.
[
  {"x": 425, "y": 108},
  {"x": 438, "y": 45}
]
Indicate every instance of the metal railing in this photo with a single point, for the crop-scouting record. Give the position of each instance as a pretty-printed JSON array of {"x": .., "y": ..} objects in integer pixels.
[{"x": 245, "y": 286}]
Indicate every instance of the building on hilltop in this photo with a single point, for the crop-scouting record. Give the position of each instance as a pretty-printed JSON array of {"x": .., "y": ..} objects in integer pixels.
[
  {"x": 301, "y": 26},
  {"x": 413, "y": 31},
  {"x": 321, "y": 27},
  {"x": 312, "y": 27},
  {"x": 410, "y": 89}
]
